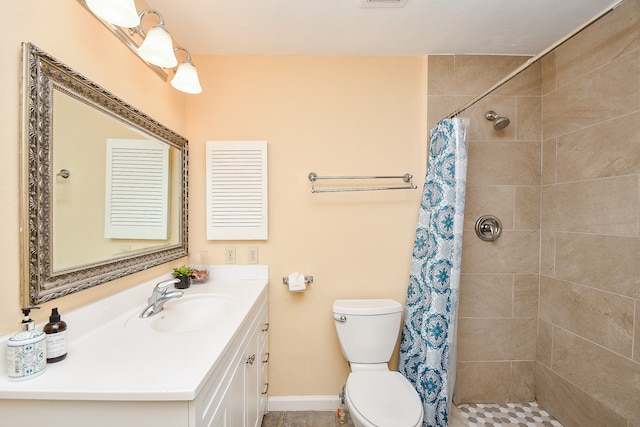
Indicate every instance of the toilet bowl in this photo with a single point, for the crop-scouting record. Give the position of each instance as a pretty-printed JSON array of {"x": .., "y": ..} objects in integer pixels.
[
  {"x": 382, "y": 399},
  {"x": 375, "y": 396}
]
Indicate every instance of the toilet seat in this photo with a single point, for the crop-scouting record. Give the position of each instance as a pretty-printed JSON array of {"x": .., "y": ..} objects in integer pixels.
[{"x": 384, "y": 399}]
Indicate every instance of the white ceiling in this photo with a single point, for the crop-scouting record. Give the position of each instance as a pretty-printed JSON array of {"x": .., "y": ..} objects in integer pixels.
[{"x": 342, "y": 27}]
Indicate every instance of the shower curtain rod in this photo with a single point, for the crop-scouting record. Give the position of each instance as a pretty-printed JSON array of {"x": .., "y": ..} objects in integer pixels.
[{"x": 534, "y": 59}]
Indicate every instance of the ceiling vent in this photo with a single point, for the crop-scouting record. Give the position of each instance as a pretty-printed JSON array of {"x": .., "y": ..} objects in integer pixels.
[{"x": 382, "y": 3}]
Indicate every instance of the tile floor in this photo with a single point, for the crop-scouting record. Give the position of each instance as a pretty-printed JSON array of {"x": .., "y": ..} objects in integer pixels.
[
  {"x": 304, "y": 419},
  {"x": 466, "y": 415},
  {"x": 507, "y": 414}
]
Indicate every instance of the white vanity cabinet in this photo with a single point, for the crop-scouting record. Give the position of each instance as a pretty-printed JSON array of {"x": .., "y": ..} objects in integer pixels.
[
  {"x": 213, "y": 377},
  {"x": 240, "y": 398},
  {"x": 256, "y": 382}
]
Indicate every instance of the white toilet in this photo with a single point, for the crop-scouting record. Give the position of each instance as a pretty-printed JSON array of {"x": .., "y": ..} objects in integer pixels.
[{"x": 375, "y": 396}]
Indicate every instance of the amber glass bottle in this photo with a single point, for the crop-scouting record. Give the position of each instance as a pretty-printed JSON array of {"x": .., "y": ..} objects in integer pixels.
[{"x": 56, "y": 331}]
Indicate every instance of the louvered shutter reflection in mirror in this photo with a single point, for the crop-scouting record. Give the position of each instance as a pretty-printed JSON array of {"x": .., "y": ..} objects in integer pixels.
[{"x": 136, "y": 197}]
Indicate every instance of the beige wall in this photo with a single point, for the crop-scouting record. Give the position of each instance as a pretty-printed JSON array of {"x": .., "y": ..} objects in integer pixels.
[
  {"x": 352, "y": 116},
  {"x": 68, "y": 32},
  {"x": 332, "y": 116},
  {"x": 588, "y": 370},
  {"x": 499, "y": 284}
]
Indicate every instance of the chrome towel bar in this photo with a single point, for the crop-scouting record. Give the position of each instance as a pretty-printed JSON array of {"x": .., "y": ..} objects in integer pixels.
[{"x": 407, "y": 177}]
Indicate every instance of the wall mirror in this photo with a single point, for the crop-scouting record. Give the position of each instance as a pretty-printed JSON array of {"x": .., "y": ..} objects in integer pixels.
[{"x": 104, "y": 185}]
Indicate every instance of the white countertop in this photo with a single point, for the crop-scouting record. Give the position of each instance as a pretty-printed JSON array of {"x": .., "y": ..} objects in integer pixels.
[{"x": 107, "y": 361}]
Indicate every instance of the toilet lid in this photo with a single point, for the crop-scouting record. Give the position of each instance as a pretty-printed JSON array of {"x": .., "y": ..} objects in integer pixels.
[{"x": 384, "y": 398}]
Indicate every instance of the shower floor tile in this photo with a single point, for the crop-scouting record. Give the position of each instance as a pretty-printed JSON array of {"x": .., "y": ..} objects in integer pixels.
[{"x": 506, "y": 414}]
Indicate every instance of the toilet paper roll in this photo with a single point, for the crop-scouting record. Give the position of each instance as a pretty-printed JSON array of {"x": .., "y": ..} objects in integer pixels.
[{"x": 296, "y": 282}]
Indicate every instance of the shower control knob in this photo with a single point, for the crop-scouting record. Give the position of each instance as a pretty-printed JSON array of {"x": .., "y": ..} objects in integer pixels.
[{"x": 488, "y": 228}]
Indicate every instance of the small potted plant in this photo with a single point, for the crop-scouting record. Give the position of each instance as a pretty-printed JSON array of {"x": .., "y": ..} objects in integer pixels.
[{"x": 184, "y": 274}]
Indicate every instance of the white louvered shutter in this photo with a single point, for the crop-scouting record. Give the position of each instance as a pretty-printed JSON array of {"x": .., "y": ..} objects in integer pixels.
[
  {"x": 237, "y": 190},
  {"x": 137, "y": 189}
]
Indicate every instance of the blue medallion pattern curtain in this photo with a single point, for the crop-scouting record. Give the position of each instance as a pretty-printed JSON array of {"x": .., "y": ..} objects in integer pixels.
[{"x": 427, "y": 350}]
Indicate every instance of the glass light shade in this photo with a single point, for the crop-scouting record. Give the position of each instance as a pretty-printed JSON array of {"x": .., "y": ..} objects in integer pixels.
[
  {"x": 117, "y": 12},
  {"x": 186, "y": 79},
  {"x": 157, "y": 48}
]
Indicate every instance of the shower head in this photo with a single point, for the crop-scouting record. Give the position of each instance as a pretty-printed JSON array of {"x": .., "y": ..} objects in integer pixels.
[{"x": 500, "y": 121}]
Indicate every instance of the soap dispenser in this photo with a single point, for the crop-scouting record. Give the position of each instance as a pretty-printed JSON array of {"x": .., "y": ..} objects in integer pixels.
[
  {"x": 56, "y": 336},
  {"x": 26, "y": 350}
]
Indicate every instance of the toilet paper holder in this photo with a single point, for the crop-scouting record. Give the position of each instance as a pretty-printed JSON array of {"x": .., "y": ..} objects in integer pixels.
[{"x": 307, "y": 280}]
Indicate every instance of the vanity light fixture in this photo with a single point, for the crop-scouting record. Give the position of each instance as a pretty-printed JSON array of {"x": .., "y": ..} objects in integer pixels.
[
  {"x": 186, "y": 78},
  {"x": 117, "y": 12},
  {"x": 156, "y": 48}
]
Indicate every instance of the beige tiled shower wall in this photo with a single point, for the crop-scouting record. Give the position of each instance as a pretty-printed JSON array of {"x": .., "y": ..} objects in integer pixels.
[
  {"x": 551, "y": 311},
  {"x": 588, "y": 371},
  {"x": 499, "y": 288}
]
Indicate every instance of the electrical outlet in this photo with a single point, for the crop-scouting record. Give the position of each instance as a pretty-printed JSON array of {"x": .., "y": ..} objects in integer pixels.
[
  {"x": 253, "y": 255},
  {"x": 230, "y": 255}
]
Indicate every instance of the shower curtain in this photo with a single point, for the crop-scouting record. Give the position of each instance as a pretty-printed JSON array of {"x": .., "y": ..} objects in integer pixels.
[{"x": 427, "y": 350}]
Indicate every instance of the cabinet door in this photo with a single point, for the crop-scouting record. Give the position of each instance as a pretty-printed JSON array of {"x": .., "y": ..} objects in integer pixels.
[
  {"x": 252, "y": 364},
  {"x": 235, "y": 407},
  {"x": 256, "y": 372},
  {"x": 230, "y": 410}
]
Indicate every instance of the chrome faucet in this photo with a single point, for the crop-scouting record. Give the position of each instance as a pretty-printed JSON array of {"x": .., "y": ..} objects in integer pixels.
[{"x": 159, "y": 296}]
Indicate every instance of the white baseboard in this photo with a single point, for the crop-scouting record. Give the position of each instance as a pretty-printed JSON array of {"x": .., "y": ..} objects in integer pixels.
[{"x": 303, "y": 403}]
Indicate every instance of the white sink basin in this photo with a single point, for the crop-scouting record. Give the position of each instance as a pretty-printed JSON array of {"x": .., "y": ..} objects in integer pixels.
[{"x": 187, "y": 314}]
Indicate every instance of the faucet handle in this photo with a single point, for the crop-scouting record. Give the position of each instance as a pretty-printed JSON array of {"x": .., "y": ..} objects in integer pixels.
[
  {"x": 161, "y": 289},
  {"x": 162, "y": 286}
]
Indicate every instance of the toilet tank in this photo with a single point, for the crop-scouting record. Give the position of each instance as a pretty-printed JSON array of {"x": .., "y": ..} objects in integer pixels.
[{"x": 368, "y": 329}]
